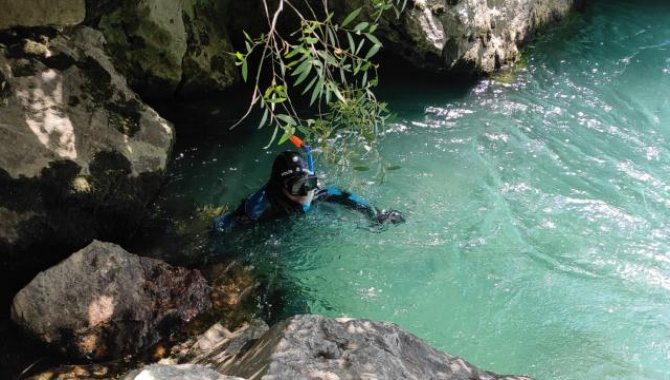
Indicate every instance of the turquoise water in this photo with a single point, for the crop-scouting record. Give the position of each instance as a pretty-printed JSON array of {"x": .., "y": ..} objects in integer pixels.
[{"x": 537, "y": 239}]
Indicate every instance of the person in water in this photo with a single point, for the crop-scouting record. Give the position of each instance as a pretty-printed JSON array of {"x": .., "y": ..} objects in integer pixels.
[{"x": 292, "y": 189}]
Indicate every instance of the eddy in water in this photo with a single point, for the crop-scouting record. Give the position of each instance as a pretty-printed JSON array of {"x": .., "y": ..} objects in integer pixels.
[{"x": 292, "y": 189}]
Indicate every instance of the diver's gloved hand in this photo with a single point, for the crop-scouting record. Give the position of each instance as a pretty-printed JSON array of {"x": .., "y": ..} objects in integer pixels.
[{"x": 390, "y": 216}]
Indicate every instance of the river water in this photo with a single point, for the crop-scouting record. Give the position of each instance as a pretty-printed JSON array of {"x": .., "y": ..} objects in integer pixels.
[{"x": 538, "y": 207}]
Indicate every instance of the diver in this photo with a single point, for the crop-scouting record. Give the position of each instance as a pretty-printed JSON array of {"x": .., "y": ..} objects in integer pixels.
[{"x": 292, "y": 189}]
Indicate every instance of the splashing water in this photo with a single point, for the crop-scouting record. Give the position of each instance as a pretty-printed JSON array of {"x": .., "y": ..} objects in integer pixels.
[{"x": 537, "y": 235}]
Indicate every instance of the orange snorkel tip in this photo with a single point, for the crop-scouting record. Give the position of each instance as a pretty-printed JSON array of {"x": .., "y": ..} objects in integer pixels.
[{"x": 297, "y": 142}]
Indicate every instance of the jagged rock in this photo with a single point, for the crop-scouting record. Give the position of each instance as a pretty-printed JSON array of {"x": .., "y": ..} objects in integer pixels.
[
  {"x": 170, "y": 47},
  {"x": 470, "y": 36},
  {"x": 315, "y": 347},
  {"x": 177, "y": 372},
  {"x": 30, "y": 13},
  {"x": 82, "y": 155},
  {"x": 103, "y": 302}
]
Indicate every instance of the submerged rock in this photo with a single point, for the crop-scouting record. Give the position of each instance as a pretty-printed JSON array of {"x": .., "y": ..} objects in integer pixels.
[
  {"x": 316, "y": 347},
  {"x": 103, "y": 302},
  {"x": 30, "y": 13},
  {"x": 82, "y": 156},
  {"x": 474, "y": 36}
]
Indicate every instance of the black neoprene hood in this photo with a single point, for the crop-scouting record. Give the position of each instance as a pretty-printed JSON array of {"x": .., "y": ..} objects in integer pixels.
[{"x": 288, "y": 164}]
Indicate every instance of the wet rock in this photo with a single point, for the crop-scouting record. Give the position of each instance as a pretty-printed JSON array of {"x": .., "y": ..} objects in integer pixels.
[
  {"x": 82, "y": 155},
  {"x": 30, "y": 13},
  {"x": 470, "y": 37},
  {"x": 103, "y": 302},
  {"x": 315, "y": 347},
  {"x": 170, "y": 47},
  {"x": 177, "y": 372}
]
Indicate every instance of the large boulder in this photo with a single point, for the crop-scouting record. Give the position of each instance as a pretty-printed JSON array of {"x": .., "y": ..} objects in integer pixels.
[
  {"x": 103, "y": 302},
  {"x": 316, "y": 347},
  {"x": 30, "y": 13},
  {"x": 169, "y": 47},
  {"x": 81, "y": 155},
  {"x": 463, "y": 36}
]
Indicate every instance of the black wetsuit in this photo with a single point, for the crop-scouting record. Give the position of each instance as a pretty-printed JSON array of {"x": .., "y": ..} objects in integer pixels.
[{"x": 270, "y": 203}]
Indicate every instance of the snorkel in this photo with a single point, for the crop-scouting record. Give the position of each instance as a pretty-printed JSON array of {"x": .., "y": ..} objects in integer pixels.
[{"x": 310, "y": 166}]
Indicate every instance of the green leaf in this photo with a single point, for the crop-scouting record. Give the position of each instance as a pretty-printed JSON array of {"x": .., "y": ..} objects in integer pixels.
[
  {"x": 245, "y": 70},
  {"x": 239, "y": 55},
  {"x": 310, "y": 85},
  {"x": 373, "y": 50},
  {"x": 373, "y": 39},
  {"x": 360, "y": 46},
  {"x": 317, "y": 91},
  {"x": 246, "y": 35},
  {"x": 284, "y": 137},
  {"x": 274, "y": 136},
  {"x": 361, "y": 168},
  {"x": 350, "y": 17},
  {"x": 263, "y": 119},
  {"x": 303, "y": 76},
  {"x": 352, "y": 44},
  {"x": 286, "y": 119},
  {"x": 339, "y": 95},
  {"x": 361, "y": 26},
  {"x": 306, "y": 65}
]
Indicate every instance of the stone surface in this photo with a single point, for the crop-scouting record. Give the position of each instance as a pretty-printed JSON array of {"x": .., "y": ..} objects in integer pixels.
[
  {"x": 315, "y": 347},
  {"x": 30, "y": 13},
  {"x": 81, "y": 155},
  {"x": 464, "y": 36},
  {"x": 177, "y": 372},
  {"x": 170, "y": 47},
  {"x": 103, "y": 302}
]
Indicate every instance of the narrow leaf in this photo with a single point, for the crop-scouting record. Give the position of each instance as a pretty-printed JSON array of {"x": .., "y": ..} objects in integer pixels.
[
  {"x": 350, "y": 17},
  {"x": 310, "y": 85},
  {"x": 274, "y": 136},
  {"x": 361, "y": 26},
  {"x": 263, "y": 119},
  {"x": 373, "y": 39},
  {"x": 352, "y": 44},
  {"x": 303, "y": 76},
  {"x": 373, "y": 50},
  {"x": 245, "y": 70},
  {"x": 317, "y": 91}
]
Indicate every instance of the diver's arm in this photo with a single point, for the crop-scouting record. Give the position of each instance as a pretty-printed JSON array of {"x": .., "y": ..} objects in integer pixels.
[
  {"x": 351, "y": 200},
  {"x": 252, "y": 209}
]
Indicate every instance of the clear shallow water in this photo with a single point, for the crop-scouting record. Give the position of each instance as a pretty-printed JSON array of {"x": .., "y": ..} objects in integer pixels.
[{"x": 537, "y": 235}]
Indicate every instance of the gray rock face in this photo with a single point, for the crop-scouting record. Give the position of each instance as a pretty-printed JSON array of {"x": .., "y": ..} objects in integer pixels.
[
  {"x": 81, "y": 155},
  {"x": 103, "y": 302},
  {"x": 469, "y": 36},
  {"x": 315, "y": 347},
  {"x": 29, "y": 13},
  {"x": 166, "y": 47}
]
